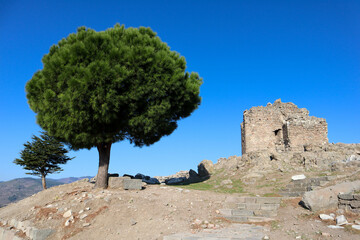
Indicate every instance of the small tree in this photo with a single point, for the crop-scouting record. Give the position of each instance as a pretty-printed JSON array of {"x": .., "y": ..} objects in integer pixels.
[
  {"x": 98, "y": 88},
  {"x": 42, "y": 156}
]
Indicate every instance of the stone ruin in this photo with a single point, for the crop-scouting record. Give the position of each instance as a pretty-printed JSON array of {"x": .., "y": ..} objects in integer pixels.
[
  {"x": 281, "y": 127},
  {"x": 283, "y": 137}
]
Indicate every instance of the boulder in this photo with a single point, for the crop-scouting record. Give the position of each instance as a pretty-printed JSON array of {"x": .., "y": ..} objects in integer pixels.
[
  {"x": 341, "y": 220},
  {"x": 175, "y": 181},
  {"x": 151, "y": 181},
  {"x": 357, "y": 227},
  {"x": 327, "y": 197},
  {"x": 128, "y": 175},
  {"x": 141, "y": 176},
  {"x": 193, "y": 174},
  {"x": 205, "y": 168}
]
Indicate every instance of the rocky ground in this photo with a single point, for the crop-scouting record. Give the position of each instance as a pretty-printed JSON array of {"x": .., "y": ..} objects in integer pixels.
[
  {"x": 193, "y": 211},
  {"x": 77, "y": 211}
]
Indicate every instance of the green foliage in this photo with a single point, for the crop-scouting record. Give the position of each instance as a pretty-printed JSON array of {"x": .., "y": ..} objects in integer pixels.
[
  {"x": 43, "y": 155},
  {"x": 12, "y": 198},
  {"x": 104, "y": 87}
]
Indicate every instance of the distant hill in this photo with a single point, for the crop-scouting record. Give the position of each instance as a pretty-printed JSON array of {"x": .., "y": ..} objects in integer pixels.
[
  {"x": 70, "y": 179},
  {"x": 20, "y": 188}
]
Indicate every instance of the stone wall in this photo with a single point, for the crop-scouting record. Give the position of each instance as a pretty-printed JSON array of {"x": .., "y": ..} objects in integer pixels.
[
  {"x": 350, "y": 202},
  {"x": 281, "y": 127}
]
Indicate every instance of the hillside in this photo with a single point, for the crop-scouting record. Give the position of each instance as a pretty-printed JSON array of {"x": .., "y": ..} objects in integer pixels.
[
  {"x": 77, "y": 211},
  {"x": 20, "y": 188}
]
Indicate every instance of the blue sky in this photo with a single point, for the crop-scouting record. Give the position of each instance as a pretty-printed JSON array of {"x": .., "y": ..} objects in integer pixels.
[{"x": 249, "y": 53}]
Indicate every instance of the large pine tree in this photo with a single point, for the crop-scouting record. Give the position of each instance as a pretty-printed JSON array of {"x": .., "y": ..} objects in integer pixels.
[
  {"x": 98, "y": 88},
  {"x": 42, "y": 156}
]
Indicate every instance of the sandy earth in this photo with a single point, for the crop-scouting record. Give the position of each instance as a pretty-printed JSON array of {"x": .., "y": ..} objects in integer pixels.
[{"x": 152, "y": 213}]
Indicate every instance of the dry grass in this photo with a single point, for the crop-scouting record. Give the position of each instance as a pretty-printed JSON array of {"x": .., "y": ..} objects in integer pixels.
[
  {"x": 93, "y": 215},
  {"x": 44, "y": 213}
]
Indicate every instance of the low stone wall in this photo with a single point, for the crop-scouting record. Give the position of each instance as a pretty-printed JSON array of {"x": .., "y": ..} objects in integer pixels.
[
  {"x": 349, "y": 202},
  {"x": 17, "y": 230},
  {"x": 250, "y": 209},
  {"x": 297, "y": 188},
  {"x": 7, "y": 234}
]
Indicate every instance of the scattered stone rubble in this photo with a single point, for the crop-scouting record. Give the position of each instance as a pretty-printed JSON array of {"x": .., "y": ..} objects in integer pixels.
[
  {"x": 339, "y": 221},
  {"x": 129, "y": 182}
]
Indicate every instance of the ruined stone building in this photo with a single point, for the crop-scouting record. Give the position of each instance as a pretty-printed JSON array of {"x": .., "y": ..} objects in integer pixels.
[{"x": 281, "y": 127}]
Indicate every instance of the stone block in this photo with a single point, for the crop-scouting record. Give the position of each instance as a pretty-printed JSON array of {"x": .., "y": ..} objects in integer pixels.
[
  {"x": 323, "y": 178},
  {"x": 270, "y": 207},
  {"x": 236, "y": 212},
  {"x": 253, "y": 206},
  {"x": 346, "y": 196},
  {"x": 241, "y": 206},
  {"x": 225, "y": 211},
  {"x": 230, "y": 205},
  {"x": 237, "y": 218},
  {"x": 117, "y": 182},
  {"x": 300, "y": 189},
  {"x": 296, "y": 184},
  {"x": 355, "y": 204},
  {"x": 356, "y": 196},
  {"x": 265, "y": 213},
  {"x": 132, "y": 184},
  {"x": 240, "y": 199},
  {"x": 41, "y": 234},
  {"x": 347, "y": 202},
  {"x": 268, "y": 200},
  {"x": 259, "y": 219},
  {"x": 250, "y": 200},
  {"x": 292, "y": 194},
  {"x": 315, "y": 182}
]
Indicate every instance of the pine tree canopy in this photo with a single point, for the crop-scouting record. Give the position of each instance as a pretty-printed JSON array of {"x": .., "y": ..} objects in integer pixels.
[
  {"x": 104, "y": 87},
  {"x": 43, "y": 155}
]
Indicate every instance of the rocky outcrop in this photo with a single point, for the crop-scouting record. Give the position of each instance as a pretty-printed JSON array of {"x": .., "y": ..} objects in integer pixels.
[{"x": 205, "y": 168}]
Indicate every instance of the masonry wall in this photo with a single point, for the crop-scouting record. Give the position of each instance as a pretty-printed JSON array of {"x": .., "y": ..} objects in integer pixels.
[
  {"x": 281, "y": 127},
  {"x": 304, "y": 132}
]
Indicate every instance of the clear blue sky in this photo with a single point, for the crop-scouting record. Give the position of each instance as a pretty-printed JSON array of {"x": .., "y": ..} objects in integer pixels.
[{"x": 249, "y": 53}]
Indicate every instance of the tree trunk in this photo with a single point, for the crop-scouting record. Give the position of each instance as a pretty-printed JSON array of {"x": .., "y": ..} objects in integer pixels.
[
  {"x": 104, "y": 159},
  {"x": 43, "y": 180}
]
